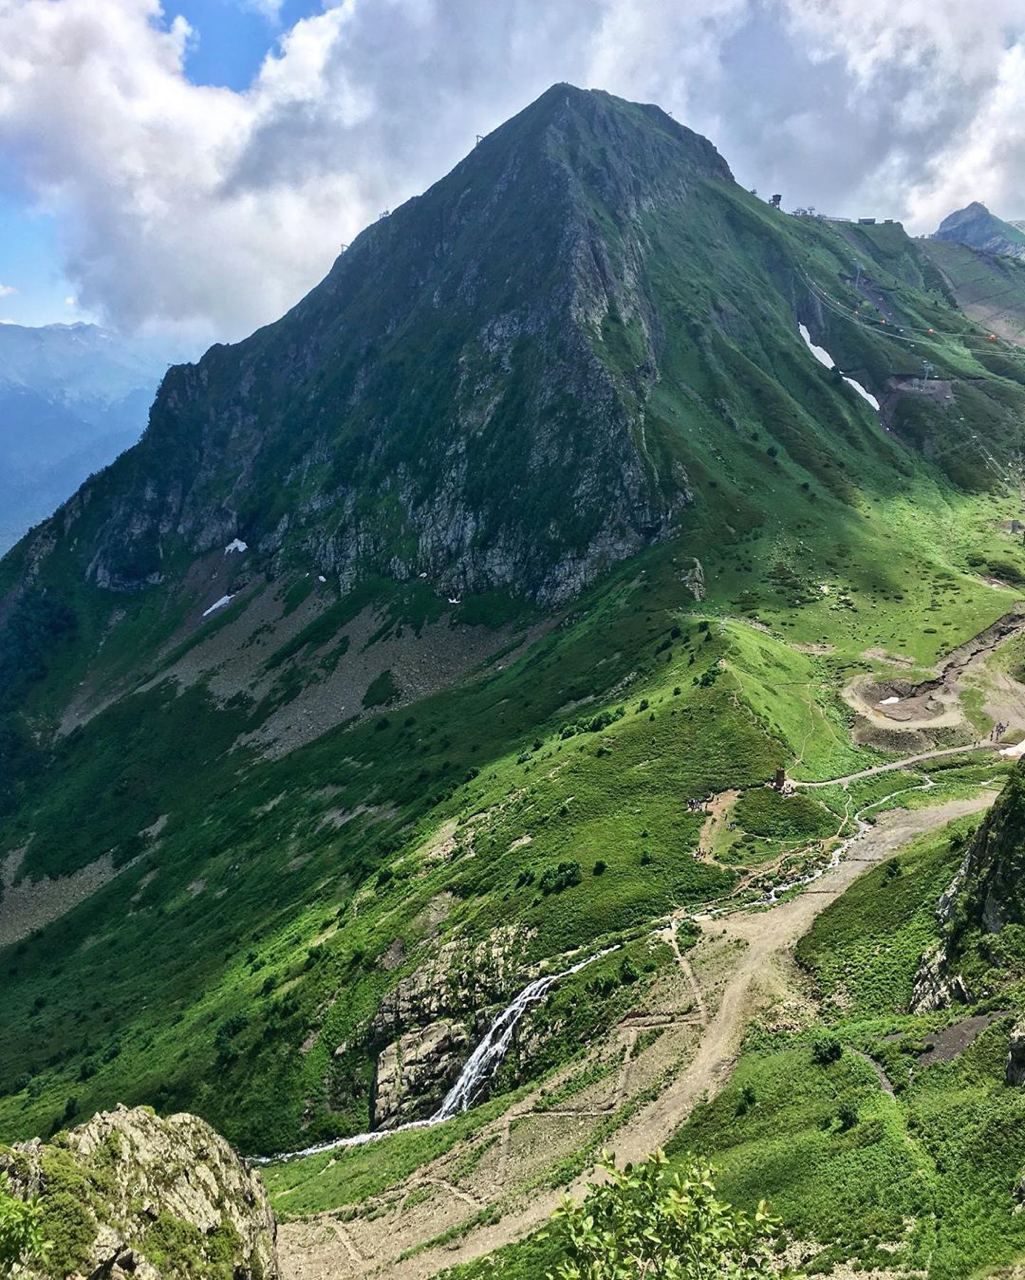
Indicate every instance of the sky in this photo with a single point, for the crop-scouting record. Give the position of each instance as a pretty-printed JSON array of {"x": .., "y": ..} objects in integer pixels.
[{"x": 189, "y": 168}]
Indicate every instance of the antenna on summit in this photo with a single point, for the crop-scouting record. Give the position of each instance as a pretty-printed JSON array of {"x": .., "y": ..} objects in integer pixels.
[{"x": 480, "y": 139}]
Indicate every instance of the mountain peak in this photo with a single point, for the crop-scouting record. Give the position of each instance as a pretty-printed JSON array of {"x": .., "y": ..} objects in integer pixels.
[
  {"x": 642, "y": 135},
  {"x": 977, "y": 228}
]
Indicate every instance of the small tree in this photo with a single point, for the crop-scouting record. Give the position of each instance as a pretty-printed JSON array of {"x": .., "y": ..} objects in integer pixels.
[
  {"x": 21, "y": 1233},
  {"x": 640, "y": 1222}
]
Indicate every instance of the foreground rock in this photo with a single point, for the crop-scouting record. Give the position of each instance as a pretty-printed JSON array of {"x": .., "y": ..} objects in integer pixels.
[{"x": 130, "y": 1194}]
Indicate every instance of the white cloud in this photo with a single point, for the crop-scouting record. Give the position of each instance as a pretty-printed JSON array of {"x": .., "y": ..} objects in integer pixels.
[
  {"x": 197, "y": 207},
  {"x": 6, "y": 290}
]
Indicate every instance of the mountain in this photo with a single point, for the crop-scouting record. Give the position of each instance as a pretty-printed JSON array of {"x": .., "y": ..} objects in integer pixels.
[
  {"x": 443, "y": 636},
  {"x": 72, "y": 397},
  {"x": 977, "y": 228},
  {"x": 420, "y": 369}
]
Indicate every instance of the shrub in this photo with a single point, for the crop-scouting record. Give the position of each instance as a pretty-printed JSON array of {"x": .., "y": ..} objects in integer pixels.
[
  {"x": 600, "y": 867},
  {"x": 825, "y": 1049},
  {"x": 21, "y": 1235},
  {"x": 639, "y": 1222},
  {"x": 555, "y": 879},
  {"x": 847, "y": 1116}
]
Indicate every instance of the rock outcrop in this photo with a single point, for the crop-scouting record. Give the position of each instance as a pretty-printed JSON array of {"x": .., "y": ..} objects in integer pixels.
[
  {"x": 431, "y": 1019},
  {"x": 934, "y": 987},
  {"x": 421, "y": 1064},
  {"x": 131, "y": 1194},
  {"x": 985, "y": 896},
  {"x": 1014, "y": 1070}
]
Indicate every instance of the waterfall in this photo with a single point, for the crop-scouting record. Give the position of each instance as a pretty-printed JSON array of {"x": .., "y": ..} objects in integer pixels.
[
  {"x": 478, "y": 1069},
  {"x": 488, "y": 1055}
]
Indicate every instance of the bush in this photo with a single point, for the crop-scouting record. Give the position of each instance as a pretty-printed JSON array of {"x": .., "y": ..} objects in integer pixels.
[
  {"x": 21, "y": 1237},
  {"x": 564, "y": 876},
  {"x": 639, "y": 1222},
  {"x": 847, "y": 1116},
  {"x": 600, "y": 867},
  {"x": 825, "y": 1049}
]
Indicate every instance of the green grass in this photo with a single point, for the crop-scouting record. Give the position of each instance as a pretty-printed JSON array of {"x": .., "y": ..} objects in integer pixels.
[{"x": 353, "y": 1174}]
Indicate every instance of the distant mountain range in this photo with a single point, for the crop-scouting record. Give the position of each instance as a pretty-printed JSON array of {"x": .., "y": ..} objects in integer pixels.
[{"x": 72, "y": 397}]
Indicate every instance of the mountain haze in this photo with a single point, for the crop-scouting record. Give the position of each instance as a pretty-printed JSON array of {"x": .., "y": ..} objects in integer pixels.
[{"x": 72, "y": 397}]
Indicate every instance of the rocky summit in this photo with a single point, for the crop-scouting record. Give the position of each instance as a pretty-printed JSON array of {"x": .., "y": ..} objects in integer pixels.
[
  {"x": 979, "y": 229},
  {"x": 550, "y": 691}
]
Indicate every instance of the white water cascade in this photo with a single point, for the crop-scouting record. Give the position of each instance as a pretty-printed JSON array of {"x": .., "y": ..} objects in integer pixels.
[{"x": 478, "y": 1069}]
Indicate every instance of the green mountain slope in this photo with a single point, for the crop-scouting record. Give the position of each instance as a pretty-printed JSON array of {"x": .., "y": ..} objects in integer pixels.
[{"x": 396, "y": 650}]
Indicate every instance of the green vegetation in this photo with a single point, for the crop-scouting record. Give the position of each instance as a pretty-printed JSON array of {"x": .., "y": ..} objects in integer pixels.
[
  {"x": 637, "y": 1221},
  {"x": 882, "y": 1178},
  {"x": 381, "y": 691},
  {"x": 765, "y": 812},
  {"x": 21, "y": 1232}
]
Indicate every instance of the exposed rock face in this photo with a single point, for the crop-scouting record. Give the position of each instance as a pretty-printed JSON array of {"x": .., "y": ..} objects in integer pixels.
[
  {"x": 130, "y": 1194},
  {"x": 481, "y": 362},
  {"x": 986, "y": 894},
  {"x": 935, "y": 988},
  {"x": 1014, "y": 1071},
  {"x": 457, "y": 980},
  {"x": 431, "y": 1019},
  {"x": 421, "y": 1064}
]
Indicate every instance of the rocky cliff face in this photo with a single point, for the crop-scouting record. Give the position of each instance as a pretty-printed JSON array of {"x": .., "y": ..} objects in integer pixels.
[
  {"x": 985, "y": 897},
  {"x": 432, "y": 1019},
  {"x": 130, "y": 1194},
  {"x": 463, "y": 396},
  {"x": 976, "y": 227}
]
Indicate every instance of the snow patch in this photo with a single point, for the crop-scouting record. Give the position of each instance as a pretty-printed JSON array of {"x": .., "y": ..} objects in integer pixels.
[
  {"x": 1015, "y": 752},
  {"x": 865, "y": 395},
  {"x": 217, "y": 604},
  {"x": 824, "y": 358},
  {"x": 889, "y": 702},
  {"x": 236, "y": 544}
]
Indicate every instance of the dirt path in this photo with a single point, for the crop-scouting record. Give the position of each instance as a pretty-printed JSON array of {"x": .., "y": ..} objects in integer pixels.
[
  {"x": 717, "y": 809},
  {"x": 892, "y": 765},
  {"x": 757, "y": 943}
]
